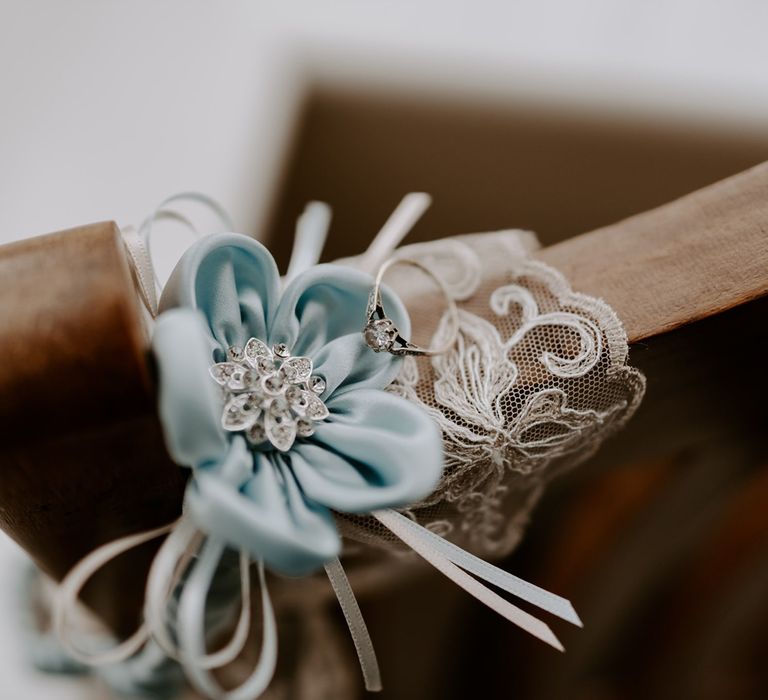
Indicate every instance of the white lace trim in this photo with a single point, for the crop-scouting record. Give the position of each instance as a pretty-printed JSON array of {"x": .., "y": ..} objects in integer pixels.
[{"x": 535, "y": 384}]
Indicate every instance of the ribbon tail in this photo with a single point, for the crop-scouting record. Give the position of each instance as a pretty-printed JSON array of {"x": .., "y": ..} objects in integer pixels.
[
  {"x": 475, "y": 588},
  {"x": 309, "y": 239},
  {"x": 191, "y": 630},
  {"x": 369, "y": 665},
  {"x": 394, "y": 230},
  {"x": 541, "y": 598}
]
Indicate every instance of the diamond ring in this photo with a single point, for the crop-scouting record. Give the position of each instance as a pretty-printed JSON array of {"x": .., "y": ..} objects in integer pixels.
[{"x": 381, "y": 334}]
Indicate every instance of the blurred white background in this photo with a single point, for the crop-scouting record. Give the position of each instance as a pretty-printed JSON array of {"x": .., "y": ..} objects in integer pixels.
[{"x": 108, "y": 107}]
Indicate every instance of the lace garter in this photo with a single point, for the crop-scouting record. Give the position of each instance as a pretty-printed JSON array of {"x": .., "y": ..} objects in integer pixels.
[{"x": 301, "y": 439}]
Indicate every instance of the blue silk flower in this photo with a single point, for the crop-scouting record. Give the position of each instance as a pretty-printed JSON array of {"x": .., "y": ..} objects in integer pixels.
[{"x": 277, "y": 404}]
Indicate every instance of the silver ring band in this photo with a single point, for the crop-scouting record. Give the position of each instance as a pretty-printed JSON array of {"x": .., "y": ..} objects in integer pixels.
[{"x": 381, "y": 334}]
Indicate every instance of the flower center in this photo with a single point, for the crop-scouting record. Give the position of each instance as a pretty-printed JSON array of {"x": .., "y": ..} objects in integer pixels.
[{"x": 269, "y": 395}]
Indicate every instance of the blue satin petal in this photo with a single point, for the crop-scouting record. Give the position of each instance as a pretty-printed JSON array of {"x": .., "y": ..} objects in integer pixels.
[
  {"x": 377, "y": 450},
  {"x": 348, "y": 364},
  {"x": 233, "y": 280},
  {"x": 322, "y": 314},
  {"x": 269, "y": 517},
  {"x": 189, "y": 405}
]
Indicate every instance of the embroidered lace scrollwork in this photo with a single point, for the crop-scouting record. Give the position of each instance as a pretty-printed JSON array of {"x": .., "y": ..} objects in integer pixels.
[{"x": 536, "y": 382}]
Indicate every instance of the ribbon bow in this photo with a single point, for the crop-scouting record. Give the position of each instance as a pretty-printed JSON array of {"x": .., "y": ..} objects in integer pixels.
[{"x": 240, "y": 360}]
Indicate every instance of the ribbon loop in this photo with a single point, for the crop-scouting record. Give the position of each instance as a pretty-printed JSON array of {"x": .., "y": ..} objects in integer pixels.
[
  {"x": 191, "y": 630},
  {"x": 69, "y": 590}
]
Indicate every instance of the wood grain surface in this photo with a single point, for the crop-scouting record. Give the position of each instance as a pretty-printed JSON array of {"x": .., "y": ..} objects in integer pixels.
[
  {"x": 691, "y": 259},
  {"x": 82, "y": 454}
]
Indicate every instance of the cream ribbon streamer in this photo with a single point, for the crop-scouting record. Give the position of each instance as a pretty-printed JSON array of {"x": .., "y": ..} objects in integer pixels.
[
  {"x": 69, "y": 590},
  {"x": 177, "y": 554},
  {"x": 541, "y": 598},
  {"x": 454, "y": 562},
  {"x": 366, "y": 654},
  {"x": 173, "y": 559}
]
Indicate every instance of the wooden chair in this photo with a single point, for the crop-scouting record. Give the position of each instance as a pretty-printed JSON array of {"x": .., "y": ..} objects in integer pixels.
[{"x": 82, "y": 453}]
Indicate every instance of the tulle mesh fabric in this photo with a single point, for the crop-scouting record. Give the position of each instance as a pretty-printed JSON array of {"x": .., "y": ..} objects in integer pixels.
[{"x": 535, "y": 383}]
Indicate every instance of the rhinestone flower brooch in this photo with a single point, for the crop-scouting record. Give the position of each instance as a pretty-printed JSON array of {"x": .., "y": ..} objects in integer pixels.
[{"x": 269, "y": 395}]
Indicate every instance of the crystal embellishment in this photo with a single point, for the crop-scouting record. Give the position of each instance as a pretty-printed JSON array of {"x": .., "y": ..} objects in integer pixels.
[
  {"x": 380, "y": 334},
  {"x": 269, "y": 395},
  {"x": 317, "y": 384},
  {"x": 235, "y": 353}
]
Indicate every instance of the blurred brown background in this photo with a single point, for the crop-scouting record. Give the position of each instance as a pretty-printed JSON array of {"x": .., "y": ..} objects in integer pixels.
[
  {"x": 666, "y": 559},
  {"x": 491, "y": 164}
]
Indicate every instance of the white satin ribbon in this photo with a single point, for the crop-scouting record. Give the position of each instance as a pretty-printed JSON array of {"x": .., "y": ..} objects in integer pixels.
[
  {"x": 138, "y": 242},
  {"x": 65, "y": 600},
  {"x": 169, "y": 565},
  {"x": 171, "y": 562},
  {"x": 143, "y": 270},
  {"x": 177, "y": 554},
  {"x": 541, "y": 598},
  {"x": 423, "y": 542},
  {"x": 358, "y": 630},
  {"x": 191, "y": 630},
  {"x": 309, "y": 239},
  {"x": 185, "y": 640},
  {"x": 395, "y": 229}
]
